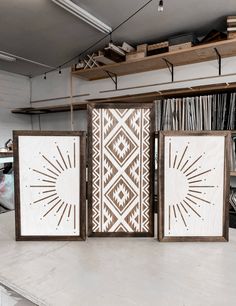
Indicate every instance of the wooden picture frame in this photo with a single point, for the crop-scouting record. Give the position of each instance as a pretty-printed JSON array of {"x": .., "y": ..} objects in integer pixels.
[
  {"x": 61, "y": 159},
  {"x": 173, "y": 213},
  {"x": 93, "y": 110}
]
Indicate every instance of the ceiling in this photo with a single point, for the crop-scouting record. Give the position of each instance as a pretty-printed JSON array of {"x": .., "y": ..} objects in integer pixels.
[{"x": 41, "y": 31}]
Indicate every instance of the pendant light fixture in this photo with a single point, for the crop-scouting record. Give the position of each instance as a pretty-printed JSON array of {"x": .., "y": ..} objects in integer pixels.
[
  {"x": 7, "y": 58},
  {"x": 82, "y": 14}
]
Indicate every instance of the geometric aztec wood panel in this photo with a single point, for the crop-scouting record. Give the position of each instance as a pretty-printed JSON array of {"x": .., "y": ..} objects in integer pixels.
[
  {"x": 193, "y": 193},
  {"x": 50, "y": 185},
  {"x": 121, "y": 148}
]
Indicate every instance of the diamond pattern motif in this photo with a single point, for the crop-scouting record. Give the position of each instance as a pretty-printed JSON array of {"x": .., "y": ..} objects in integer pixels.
[
  {"x": 121, "y": 146},
  {"x": 121, "y": 195}
]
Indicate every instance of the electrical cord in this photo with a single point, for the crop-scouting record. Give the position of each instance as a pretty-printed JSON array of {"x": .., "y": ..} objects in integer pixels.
[{"x": 101, "y": 39}]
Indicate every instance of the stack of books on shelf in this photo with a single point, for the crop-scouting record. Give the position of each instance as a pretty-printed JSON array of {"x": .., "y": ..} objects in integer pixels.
[{"x": 231, "y": 27}]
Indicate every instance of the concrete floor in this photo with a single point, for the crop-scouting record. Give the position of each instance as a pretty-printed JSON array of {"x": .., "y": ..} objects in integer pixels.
[{"x": 118, "y": 271}]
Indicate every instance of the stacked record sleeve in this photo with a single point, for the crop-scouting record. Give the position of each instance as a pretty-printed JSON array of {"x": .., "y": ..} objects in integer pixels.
[
  {"x": 232, "y": 209},
  {"x": 231, "y": 27},
  {"x": 233, "y": 155},
  {"x": 209, "y": 112}
]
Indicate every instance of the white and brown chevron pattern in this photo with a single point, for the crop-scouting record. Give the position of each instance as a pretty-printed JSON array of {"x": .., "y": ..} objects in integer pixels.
[{"x": 121, "y": 170}]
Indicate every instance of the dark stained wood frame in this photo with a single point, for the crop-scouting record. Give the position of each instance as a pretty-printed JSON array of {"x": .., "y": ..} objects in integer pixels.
[
  {"x": 90, "y": 169},
  {"x": 225, "y": 229},
  {"x": 82, "y": 136}
]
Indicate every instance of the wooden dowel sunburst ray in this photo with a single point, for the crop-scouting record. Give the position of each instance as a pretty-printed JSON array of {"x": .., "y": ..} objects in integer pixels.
[
  {"x": 51, "y": 164},
  {"x": 51, "y": 208},
  {"x": 200, "y": 199},
  {"x": 199, "y": 174},
  {"x": 42, "y": 199},
  {"x": 45, "y": 174},
  {"x": 62, "y": 157},
  {"x": 193, "y": 163},
  {"x": 182, "y": 157}
]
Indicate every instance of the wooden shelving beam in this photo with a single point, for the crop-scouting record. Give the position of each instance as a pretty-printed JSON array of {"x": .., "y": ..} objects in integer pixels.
[
  {"x": 49, "y": 109},
  {"x": 196, "y": 54},
  {"x": 144, "y": 97},
  {"x": 6, "y": 154},
  {"x": 6, "y": 157}
]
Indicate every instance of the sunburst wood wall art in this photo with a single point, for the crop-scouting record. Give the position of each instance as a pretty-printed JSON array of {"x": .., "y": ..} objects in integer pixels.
[
  {"x": 50, "y": 185},
  {"x": 193, "y": 186},
  {"x": 120, "y": 170}
]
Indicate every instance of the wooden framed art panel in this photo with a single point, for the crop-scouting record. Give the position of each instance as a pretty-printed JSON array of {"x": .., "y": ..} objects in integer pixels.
[
  {"x": 193, "y": 185},
  {"x": 50, "y": 185},
  {"x": 121, "y": 170}
]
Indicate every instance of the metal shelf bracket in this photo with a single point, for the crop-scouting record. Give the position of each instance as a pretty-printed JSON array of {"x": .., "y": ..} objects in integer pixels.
[
  {"x": 219, "y": 60},
  {"x": 170, "y": 66},
  {"x": 113, "y": 77}
]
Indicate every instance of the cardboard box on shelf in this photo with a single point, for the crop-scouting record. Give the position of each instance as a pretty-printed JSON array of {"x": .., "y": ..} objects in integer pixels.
[
  {"x": 153, "y": 49},
  {"x": 158, "y": 48},
  {"x": 135, "y": 55},
  {"x": 127, "y": 48},
  {"x": 180, "y": 46},
  {"x": 160, "y": 45},
  {"x": 142, "y": 48},
  {"x": 182, "y": 39}
]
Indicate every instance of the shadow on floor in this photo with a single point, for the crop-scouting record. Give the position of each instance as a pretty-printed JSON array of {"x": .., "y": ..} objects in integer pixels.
[{"x": 9, "y": 297}]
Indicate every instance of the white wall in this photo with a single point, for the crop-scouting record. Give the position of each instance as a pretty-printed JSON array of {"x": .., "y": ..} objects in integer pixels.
[
  {"x": 60, "y": 121},
  {"x": 14, "y": 93},
  {"x": 57, "y": 85}
]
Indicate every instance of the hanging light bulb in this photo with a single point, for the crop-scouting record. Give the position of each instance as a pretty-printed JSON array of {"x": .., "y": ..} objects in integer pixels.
[
  {"x": 160, "y": 6},
  {"x": 45, "y": 76}
]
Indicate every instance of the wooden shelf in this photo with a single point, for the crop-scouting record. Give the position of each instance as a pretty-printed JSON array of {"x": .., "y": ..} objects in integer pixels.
[
  {"x": 196, "y": 54},
  {"x": 144, "y": 97},
  {"x": 49, "y": 109},
  {"x": 6, "y": 154},
  {"x": 171, "y": 93},
  {"x": 6, "y": 157}
]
